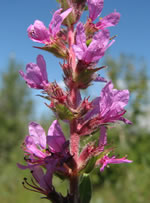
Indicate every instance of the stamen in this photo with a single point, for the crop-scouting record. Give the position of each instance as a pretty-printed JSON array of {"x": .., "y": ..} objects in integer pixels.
[
  {"x": 29, "y": 188},
  {"x": 34, "y": 183},
  {"x": 32, "y": 186}
]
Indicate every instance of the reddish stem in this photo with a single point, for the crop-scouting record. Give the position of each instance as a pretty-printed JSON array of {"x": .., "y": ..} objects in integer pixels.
[
  {"x": 71, "y": 42},
  {"x": 74, "y": 141},
  {"x": 74, "y": 138}
]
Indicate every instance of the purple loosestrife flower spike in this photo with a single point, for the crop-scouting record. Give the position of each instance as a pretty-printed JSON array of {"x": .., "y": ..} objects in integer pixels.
[
  {"x": 36, "y": 75},
  {"x": 81, "y": 46},
  {"x": 95, "y": 7},
  {"x": 55, "y": 138}
]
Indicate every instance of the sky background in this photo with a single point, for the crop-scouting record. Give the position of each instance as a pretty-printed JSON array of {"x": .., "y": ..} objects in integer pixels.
[{"x": 15, "y": 16}]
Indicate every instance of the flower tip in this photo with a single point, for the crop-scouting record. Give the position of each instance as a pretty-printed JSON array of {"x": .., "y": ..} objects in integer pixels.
[
  {"x": 21, "y": 73},
  {"x": 69, "y": 10},
  {"x": 39, "y": 58},
  {"x": 21, "y": 166},
  {"x": 117, "y": 13}
]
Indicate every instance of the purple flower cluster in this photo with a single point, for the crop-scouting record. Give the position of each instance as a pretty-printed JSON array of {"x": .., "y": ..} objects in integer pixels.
[
  {"x": 49, "y": 151},
  {"x": 82, "y": 46}
]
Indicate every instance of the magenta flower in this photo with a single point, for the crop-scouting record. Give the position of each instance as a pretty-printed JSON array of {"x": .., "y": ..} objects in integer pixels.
[
  {"x": 39, "y": 33},
  {"x": 95, "y": 9},
  {"x": 108, "y": 21},
  {"x": 97, "y": 47},
  {"x": 112, "y": 160},
  {"x": 36, "y": 143},
  {"x": 36, "y": 75},
  {"x": 43, "y": 182},
  {"x": 112, "y": 103},
  {"x": 105, "y": 160},
  {"x": 109, "y": 107},
  {"x": 90, "y": 150}
]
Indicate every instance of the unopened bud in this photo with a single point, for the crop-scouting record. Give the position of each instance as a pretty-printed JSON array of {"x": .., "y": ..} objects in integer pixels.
[{"x": 78, "y": 7}]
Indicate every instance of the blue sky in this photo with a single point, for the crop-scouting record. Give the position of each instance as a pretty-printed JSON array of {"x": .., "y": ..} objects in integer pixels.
[{"x": 15, "y": 16}]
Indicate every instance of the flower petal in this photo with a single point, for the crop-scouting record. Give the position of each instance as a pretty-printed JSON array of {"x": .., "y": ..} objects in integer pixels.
[
  {"x": 103, "y": 137},
  {"x": 110, "y": 20},
  {"x": 55, "y": 138},
  {"x": 80, "y": 46},
  {"x": 81, "y": 37},
  {"x": 36, "y": 75},
  {"x": 57, "y": 19},
  {"x": 95, "y": 7},
  {"x": 113, "y": 98},
  {"x": 32, "y": 148},
  {"x": 106, "y": 160},
  {"x": 38, "y": 32},
  {"x": 42, "y": 65},
  {"x": 97, "y": 47},
  {"x": 38, "y": 135}
]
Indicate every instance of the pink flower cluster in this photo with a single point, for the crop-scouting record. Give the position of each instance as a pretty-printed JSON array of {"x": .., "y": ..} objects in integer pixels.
[{"x": 81, "y": 47}]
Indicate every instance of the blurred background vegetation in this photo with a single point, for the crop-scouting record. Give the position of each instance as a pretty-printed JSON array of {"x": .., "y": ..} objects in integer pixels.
[{"x": 128, "y": 183}]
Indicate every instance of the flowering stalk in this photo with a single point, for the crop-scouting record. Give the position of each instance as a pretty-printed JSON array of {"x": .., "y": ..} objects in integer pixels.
[
  {"x": 48, "y": 154},
  {"x": 74, "y": 137}
]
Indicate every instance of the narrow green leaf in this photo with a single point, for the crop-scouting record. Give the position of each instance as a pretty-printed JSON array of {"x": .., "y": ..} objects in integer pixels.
[
  {"x": 85, "y": 189},
  {"x": 90, "y": 165},
  {"x": 63, "y": 112}
]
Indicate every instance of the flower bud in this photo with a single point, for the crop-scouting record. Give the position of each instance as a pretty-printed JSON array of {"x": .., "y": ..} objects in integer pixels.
[
  {"x": 84, "y": 75},
  {"x": 78, "y": 7}
]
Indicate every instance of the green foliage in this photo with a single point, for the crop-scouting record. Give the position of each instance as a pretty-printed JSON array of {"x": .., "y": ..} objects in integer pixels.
[{"x": 16, "y": 107}]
